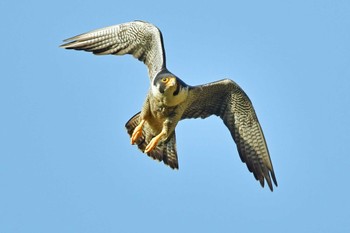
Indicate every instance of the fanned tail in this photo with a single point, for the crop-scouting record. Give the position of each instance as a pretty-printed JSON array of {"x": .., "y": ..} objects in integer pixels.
[{"x": 165, "y": 151}]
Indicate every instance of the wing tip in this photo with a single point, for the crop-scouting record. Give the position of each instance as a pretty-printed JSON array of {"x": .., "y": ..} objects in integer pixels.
[
  {"x": 270, "y": 174},
  {"x": 69, "y": 41},
  {"x": 65, "y": 45}
]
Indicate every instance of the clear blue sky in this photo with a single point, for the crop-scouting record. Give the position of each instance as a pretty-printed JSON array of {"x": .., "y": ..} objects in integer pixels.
[{"x": 66, "y": 164}]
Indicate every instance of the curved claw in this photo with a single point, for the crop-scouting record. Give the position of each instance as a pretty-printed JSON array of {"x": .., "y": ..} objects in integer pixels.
[
  {"x": 154, "y": 142},
  {"x": 137, "y": 132}
]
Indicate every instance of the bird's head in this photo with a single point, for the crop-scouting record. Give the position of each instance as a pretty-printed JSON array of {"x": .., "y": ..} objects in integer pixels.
[
  {"x": 165, "y": 84},
  {"x": 169, "y": 88}
]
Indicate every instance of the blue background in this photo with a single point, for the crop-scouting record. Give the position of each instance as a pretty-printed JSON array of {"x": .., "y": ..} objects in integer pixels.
[{"x": 66, "y": 164}]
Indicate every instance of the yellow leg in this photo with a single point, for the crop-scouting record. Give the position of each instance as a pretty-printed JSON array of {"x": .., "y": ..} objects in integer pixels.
[
  {"x": 137, "y": 132},
  {"x": 154, "y": 142}
]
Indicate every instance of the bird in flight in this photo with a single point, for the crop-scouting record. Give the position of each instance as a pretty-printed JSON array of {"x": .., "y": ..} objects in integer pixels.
[{"x": 170, "y": 99}]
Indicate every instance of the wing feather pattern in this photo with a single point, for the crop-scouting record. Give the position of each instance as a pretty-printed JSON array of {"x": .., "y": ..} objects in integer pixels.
[
  {"x": 226, "y": 99},
  {"x": 141, "y": 39}
]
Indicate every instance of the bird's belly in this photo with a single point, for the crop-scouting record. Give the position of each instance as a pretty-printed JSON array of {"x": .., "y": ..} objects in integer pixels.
[
  {"x": 156, "y": 124},
  {"x": 158, "y": 115},
  {"x": 157, "y": 118}
]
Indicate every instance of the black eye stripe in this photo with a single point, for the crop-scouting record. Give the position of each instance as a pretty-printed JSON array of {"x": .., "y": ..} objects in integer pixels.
[
  {"x": 176, "y": 92},
  {"x": 161, "y": 88}
]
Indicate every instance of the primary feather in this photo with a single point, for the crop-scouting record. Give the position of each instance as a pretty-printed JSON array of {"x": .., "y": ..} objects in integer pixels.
[{"x": 142, "y": 40}]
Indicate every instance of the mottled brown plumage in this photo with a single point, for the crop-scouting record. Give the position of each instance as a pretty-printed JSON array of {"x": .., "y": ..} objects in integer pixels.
[{"x": 170, "y": 100}]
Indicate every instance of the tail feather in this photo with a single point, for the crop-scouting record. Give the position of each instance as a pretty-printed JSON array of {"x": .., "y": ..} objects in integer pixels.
[{"x": 165, "y": 151}]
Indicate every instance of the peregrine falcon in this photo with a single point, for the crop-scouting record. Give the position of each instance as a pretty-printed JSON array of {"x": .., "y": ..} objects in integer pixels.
[{"x": 170, "y": 99}]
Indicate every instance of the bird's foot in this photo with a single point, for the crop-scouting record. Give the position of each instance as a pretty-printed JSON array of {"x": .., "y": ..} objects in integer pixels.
[
  {"x": 137, "y": 132},
  {"x": 153, "y": 143}
]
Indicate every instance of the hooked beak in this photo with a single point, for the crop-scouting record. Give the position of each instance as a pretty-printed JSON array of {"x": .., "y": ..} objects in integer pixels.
[{"x": 171, "y": 83}]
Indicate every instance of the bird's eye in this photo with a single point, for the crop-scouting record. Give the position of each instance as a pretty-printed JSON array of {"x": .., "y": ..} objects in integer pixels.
[{"x": 164, "y": 80}]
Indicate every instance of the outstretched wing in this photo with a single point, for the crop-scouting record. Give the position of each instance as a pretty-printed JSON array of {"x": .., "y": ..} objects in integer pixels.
[
  {"x": 141, "y": 39},
  {"x": 227, "y": 100}
]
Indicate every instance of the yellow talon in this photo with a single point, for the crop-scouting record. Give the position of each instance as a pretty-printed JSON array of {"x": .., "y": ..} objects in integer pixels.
[
  {"x": 154, "y": 142},
  {"x": 137, "y": 132}
]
